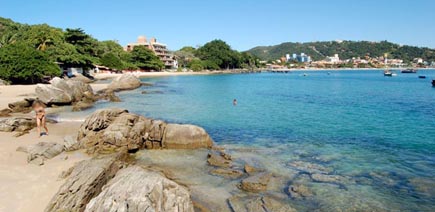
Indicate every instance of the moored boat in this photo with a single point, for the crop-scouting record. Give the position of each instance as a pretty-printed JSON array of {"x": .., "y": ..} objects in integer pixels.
[
  {"x": 409, "y": 71},
  {"x": 388, "y": 73}
]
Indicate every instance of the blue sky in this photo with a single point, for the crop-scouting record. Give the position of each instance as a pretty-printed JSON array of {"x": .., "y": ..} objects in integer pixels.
[{"x": 241, "y": 23}]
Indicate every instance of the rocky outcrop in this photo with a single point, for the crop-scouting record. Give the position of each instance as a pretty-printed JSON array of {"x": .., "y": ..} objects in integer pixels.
[
  {"x": 82, "y": 78},
  {"x": 108, "y": 95},
  {"x": 178, "y": 136},
  {"x": 227, "y": 173},
  {"x": 38, "y": 153},
  {"x": 110, "y": 129},
  {"x": 298, "y": 191},
  {"x": 134, "y": 189},
  {"x": 219, "y": 159},
  {"x": 258, "y": 204},
  {"x": 62, "y": 92},
  {"x": 249, "y": 169},
  {"x": 5, "y": 112},
  {"x": 70, "y": 143},
  {"x": 17, "y": 124},
  {"x": 84, "y": 182},
  {"x": 256, "y": 183},
  {"x": 124, "y": 82},
  {"x": 23, "y": 106}
]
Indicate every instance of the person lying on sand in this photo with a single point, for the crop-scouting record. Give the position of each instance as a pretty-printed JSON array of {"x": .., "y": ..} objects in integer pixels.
[{"x": 39, "y": 108}]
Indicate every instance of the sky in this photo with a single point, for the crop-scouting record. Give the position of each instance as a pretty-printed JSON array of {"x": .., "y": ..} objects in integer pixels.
[{"x": 243, "y": 24}]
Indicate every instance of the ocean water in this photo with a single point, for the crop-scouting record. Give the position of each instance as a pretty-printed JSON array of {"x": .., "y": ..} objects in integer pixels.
[{"x": 376, "y": 133}]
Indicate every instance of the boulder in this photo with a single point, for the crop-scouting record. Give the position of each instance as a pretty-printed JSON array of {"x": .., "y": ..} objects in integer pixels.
[
  {"x": 82, "y": 105},
  {"x": 227, "y": 173},
  {"x": 185, "y": 136},
  {"x": 62, "y": 91},
  {"x": 23, "y": 106},
  {"x": 70, "y": 143},
  {"x": 218, "y": 159},
  {"x": 110, "y": 129},
  {"x": 256, "y": 183},
  {"x": 82, "y": 78},
  {"x": 5, "y": 112},
  {"x": 298, "y": 191},
  {"x": 41, "y": 151},
  {"x": 17, "y": 124},
  {"x": 3, "y": 82},
  {"x": 125, "y": 82},
  {"x": 108, "y": 94},
  {"x": 134, "y": 189},
  {"x": 84, "y": 182},
  {"x": 240, "y": 203},
  {"x": 249, "y": 169}
]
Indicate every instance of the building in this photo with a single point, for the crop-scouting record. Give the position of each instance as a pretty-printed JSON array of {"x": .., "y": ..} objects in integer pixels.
[
  {"x": 334, "y": 59},
  {"x": 159, "y": 49},
  {"x": 302, "y": 58}
]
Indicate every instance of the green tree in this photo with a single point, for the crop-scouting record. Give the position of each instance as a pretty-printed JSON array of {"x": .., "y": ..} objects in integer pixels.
[
  {"x": 145, "y": 59},
  {"x": 112, "y": 61},
  {"x": 217, "y": 52},
  {"x": 21, "y": 63}
]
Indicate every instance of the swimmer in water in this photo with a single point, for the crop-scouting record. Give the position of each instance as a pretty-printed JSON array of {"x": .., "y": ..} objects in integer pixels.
[{"x": 235, "y": 102}]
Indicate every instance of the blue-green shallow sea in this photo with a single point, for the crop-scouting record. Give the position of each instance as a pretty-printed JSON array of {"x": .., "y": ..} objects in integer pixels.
[{"x": 377, "y": 132}]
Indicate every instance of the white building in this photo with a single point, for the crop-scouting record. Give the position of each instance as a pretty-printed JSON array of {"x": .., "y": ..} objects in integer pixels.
[{"x": 333, "y": 59}]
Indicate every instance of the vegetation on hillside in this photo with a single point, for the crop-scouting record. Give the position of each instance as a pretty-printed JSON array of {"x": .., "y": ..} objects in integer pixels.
[
  {"x": 214, "y": 55},
  {"x": 345, "y": 49}
]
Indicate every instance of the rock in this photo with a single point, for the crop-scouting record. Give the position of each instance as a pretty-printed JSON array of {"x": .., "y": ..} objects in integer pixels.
[
  {"x": 249, "y": 169},
  {"x": 151, "y": 92},
  {"x": 62, "y": 92},
  {"x": 185, "y": 136},
  {"x": 24, "y": 106},
  {"x": 125, "y": 82},
  {"x": 17, "y": 124},
  {"x": 52, "y": 95},
  {"x": 41, "y": 151},
  {"x": 216, "y": 159},
  {"x": 256, "y": 183},
  {"x": 258, "y": 204},
  {"x": 310, "y": 167},
  {"x": 70, "y": 143},
  {"x": 134, "y": 189},
  {"x": 82, "y": 105},
  {"x": 110, "y": 129},
  {"x": 228, "y": 173},
  {"x": 299, "y": 191},
  {"x": 3, "y": 82},
  {"x": 328, "y": 178},
  {"x": 82, "y": 78},
  {"x": 84, "y": 182},
  {"x": 109, "y": 95},
  {"x": 5, "y": 112}
]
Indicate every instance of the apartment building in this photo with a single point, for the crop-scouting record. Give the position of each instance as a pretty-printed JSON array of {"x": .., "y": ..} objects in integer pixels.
[{"x": 159, "y": 49}]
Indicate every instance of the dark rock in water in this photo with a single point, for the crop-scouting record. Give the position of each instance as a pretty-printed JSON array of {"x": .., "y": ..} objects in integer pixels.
[
  {"x": 135, "y": 189},
  {"x": 17, "y": 124},
  {"x": 84, "y": 182},
  {"x": 125, "y": 82},
  {"x": 218, "y": 159},
  {"x": 259, "y": 204},
  {"x": 5, "y": 112},
  {"x": 108, "y": 130},
  {"x": 256, "y": 183},
  {"x": 329, "y": 178},
  {"x": 108, "y": 94},
  {"x": 147, "y": 84},
  {"x": 309, "y": 167},
  {"x": 250, "y": 169},
  {"x": 299, "y": 191},
  {"x": 228, "y": 173},
  {"x": 152, "y": 92},
  {"x": 41, "y": 151}
]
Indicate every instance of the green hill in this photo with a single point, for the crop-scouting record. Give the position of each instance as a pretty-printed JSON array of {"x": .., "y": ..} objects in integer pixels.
[{"x": 345, "y": 49}]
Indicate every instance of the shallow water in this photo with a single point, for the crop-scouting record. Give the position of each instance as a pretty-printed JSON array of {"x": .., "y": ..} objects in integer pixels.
[{"x": 376, "y": 132}]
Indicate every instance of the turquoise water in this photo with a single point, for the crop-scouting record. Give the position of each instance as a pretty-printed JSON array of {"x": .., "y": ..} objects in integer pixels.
[{"x": 377, "y": 132}]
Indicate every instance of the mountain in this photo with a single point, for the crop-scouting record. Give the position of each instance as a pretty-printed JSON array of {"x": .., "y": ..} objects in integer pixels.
[{"x": 345, "y": 49}]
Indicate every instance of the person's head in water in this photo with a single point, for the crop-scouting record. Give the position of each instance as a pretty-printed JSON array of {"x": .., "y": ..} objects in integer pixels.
[{"x": 234, "y": 101}]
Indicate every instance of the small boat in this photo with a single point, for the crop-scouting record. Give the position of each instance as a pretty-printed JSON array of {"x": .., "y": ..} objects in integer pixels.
[
  {"x": 433, "y": 83},
  {"x": 409, "y": 71},
  {"x": 388, "y": 73},
  {"x": 422, "y": 77}
]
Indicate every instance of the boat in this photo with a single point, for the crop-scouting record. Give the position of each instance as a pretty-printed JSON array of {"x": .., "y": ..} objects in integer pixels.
[
  {"x": 409, "y": 71},
  {"x": 388, "y": 73},
  {"x": 422, "y": 77},
  {"x": 433, "y": 83}
]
